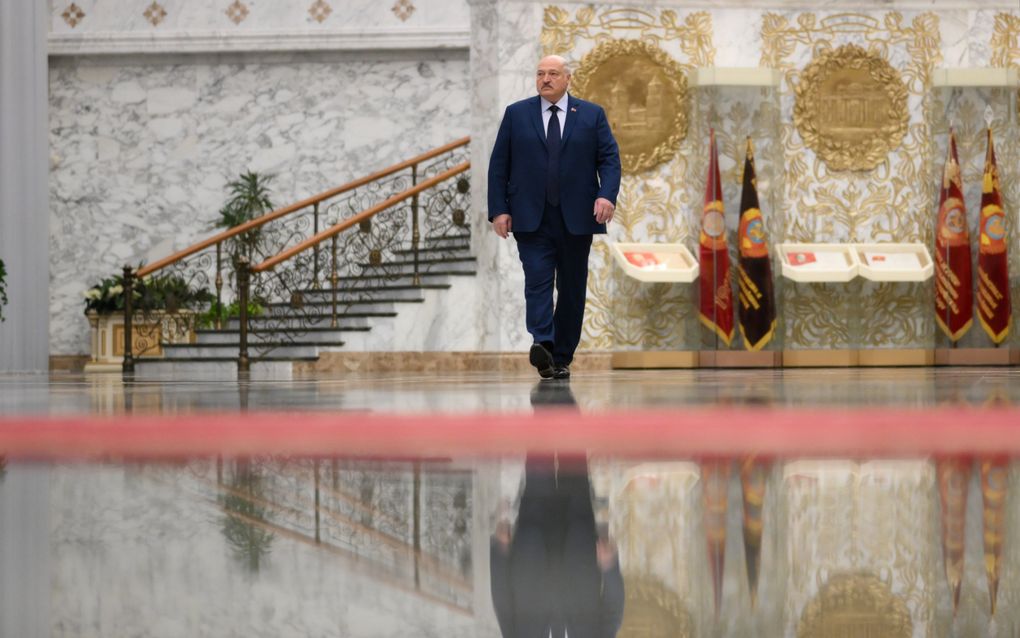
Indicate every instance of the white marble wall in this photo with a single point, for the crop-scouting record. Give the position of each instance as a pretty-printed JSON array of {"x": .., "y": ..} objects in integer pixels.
[
  {"x": 141, "y": 150},
  {"x": 106, "y": 26}
]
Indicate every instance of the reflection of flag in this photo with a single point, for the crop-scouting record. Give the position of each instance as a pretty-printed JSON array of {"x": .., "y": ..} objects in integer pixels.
[
  {"x": 753, "y": 474},
  {"x": 716, "y": 304},
  {"x": 953, "y": 478},
  {"x": 993, "y": 265},
  {"x": 715, "y": 480},
  {"x": 954, "y": 305},
  {"x": 754, "y": 272},
  {"x": 994, "y": 477}
]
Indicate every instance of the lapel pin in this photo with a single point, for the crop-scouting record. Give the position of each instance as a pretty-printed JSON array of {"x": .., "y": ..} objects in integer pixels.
[{"x": 573, "y": 109}]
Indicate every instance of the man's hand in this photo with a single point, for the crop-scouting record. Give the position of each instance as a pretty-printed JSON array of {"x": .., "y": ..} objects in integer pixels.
[
  {"x": 604, "y": 210},
  {"x": 501, "y": 225},
  {"x": 605, "y": 554}
]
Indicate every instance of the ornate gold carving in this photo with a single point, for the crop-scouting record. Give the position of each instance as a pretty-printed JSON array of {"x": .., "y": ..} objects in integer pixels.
[
  {"x": 154, "y": 13},
  {"x": 855, "y": 605},
  {"x": 320, "y": 10},
  {"x": 403, "y": 9},
  {"x": 644, "y": 92},
  {"x": 237, "y": 12},
  {"x": 851, "y": 108},
  {"x": 892, "y": 203},
  {"x": 694, "y": 33},
  {"x": 653, "y": 611},
  {"x": 72, "y": 15},
  {"x": 1005, "y": 40}
]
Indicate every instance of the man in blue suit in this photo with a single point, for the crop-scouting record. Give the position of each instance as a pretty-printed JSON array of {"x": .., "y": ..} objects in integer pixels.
[{"x": 553, "y": 179}]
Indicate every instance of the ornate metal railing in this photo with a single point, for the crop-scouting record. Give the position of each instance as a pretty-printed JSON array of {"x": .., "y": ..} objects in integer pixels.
[
  {"x": 370, "y": 254},
  {"x": 304, "y": 293}
]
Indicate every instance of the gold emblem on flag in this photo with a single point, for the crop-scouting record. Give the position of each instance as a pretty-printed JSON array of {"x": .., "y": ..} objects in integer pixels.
[
  {"x": 851, "y": 108},
  {"x": 644, "y": 93}
]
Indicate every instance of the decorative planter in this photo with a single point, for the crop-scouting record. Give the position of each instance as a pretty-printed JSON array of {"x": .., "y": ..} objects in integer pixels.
[{"x": 149, "y": 331}]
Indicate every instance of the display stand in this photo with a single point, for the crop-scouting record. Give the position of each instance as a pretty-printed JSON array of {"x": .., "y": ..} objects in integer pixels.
[
  {"x": 970, "y": 100},
  {"x": 653, "y": 263},
  {"x": 827, "y": 266},
  {"x": 905, "y": 269},
  {"x": 718, "y": 93}
]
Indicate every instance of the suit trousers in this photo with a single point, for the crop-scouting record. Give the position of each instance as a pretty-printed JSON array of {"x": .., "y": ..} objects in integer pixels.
[{"x": 551, "y": 255}]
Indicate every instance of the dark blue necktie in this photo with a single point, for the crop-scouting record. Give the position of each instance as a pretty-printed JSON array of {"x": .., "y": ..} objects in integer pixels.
[{"x": 552, "y": 142}]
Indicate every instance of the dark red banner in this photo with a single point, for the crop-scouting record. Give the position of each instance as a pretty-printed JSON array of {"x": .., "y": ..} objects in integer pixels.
[
  {"x": 954, "y": 302},
  {"x": 994, "y": 311},
  {"x": 716, "y": 300}
]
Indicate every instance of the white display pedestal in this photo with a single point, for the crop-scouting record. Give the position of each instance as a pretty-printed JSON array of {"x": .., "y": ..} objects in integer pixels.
[
  {"x": 894, "y": 262},
  {"x": 651, "y": 262},
  {"x": 655, "y": 263}
]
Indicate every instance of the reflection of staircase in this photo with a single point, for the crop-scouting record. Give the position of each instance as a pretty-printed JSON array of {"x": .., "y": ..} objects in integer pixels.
[
  {"x": 378, "y": 531},
  {"x": 375, "y": 296}
]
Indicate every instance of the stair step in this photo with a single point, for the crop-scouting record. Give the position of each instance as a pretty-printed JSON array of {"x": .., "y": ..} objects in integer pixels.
[
  {"x": 450, "y": 265},
  {"x": 324, "y": 296},
  {"x": 446, "y": 240},
  {"x": 280, "y": 349},
  {"x": 442, "y": 250},
  {"x": 314, "y": 335},
  {"x": 297, "y": 319}
]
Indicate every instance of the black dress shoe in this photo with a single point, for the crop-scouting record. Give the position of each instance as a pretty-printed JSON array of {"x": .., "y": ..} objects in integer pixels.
[
  {"x": 542, "y": 359},
  {"x": 561, "y": 372}
]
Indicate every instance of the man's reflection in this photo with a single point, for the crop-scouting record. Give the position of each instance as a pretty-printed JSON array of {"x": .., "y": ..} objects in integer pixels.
[{"x": 554, "y": 573}]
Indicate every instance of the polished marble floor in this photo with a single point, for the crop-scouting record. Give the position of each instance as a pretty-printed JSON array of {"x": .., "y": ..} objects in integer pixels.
[
  {"x": 497, "y": 392},
  {"x": 271, "y": 545}
]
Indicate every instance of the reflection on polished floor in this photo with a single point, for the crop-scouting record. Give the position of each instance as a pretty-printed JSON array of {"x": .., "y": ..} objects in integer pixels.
[{"x": 265, "y": 545}]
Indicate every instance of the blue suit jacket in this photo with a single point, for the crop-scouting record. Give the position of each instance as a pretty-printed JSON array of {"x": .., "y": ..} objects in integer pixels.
[{"x": 589, "y": 166}]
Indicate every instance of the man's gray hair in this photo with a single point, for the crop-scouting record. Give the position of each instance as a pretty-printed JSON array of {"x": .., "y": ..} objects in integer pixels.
[{"x": 561, "y": 60}]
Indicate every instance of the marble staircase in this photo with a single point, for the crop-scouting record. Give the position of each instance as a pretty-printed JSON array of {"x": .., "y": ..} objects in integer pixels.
[{"x": 369, "y": 306}]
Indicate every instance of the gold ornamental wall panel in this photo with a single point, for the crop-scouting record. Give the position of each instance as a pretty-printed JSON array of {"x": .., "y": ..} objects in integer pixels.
[
  {"x": 830, "y": 194},
  {"x": 644, "y": 93},
  {"x": 654, "y": 202},
  {"x": 1005, "y": 53},
  {"x": 851, "y": 108}
]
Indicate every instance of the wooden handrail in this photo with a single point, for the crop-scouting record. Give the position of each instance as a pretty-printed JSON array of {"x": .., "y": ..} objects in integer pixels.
[
  {"x": 286, "y": 210},
  {"x": 360, "y": 217}
]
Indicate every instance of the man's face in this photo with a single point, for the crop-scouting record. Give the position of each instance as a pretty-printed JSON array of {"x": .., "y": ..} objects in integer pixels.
[{"x": 551, "y": 79}]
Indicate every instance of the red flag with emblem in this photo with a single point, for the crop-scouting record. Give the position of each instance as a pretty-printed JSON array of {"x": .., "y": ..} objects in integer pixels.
[
  {"x": 993, "y": 305},
  {"x": 716, "y": 303},
  {"x": 954, "y": 303}
]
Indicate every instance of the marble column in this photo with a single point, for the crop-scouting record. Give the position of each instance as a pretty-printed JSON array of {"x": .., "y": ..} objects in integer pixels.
[
  {"x": 24, "y": 199},
  {"x": 504, "y": 51}
]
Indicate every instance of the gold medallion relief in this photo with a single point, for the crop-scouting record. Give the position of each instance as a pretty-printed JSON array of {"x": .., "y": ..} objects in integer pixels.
[
  {"x": 644, "y": 93},
  {"x": 855, "y": 605},
  {"x": 851, "y": 108}
]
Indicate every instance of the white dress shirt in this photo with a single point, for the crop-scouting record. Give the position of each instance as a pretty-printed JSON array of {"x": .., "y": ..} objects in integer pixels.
[{"x": 562, "y": 114}]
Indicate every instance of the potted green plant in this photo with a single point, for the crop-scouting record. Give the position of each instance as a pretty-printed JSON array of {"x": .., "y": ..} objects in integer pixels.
[
  {"x": 249, "y": 198},
  {"x": 164, "y": 308}
]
